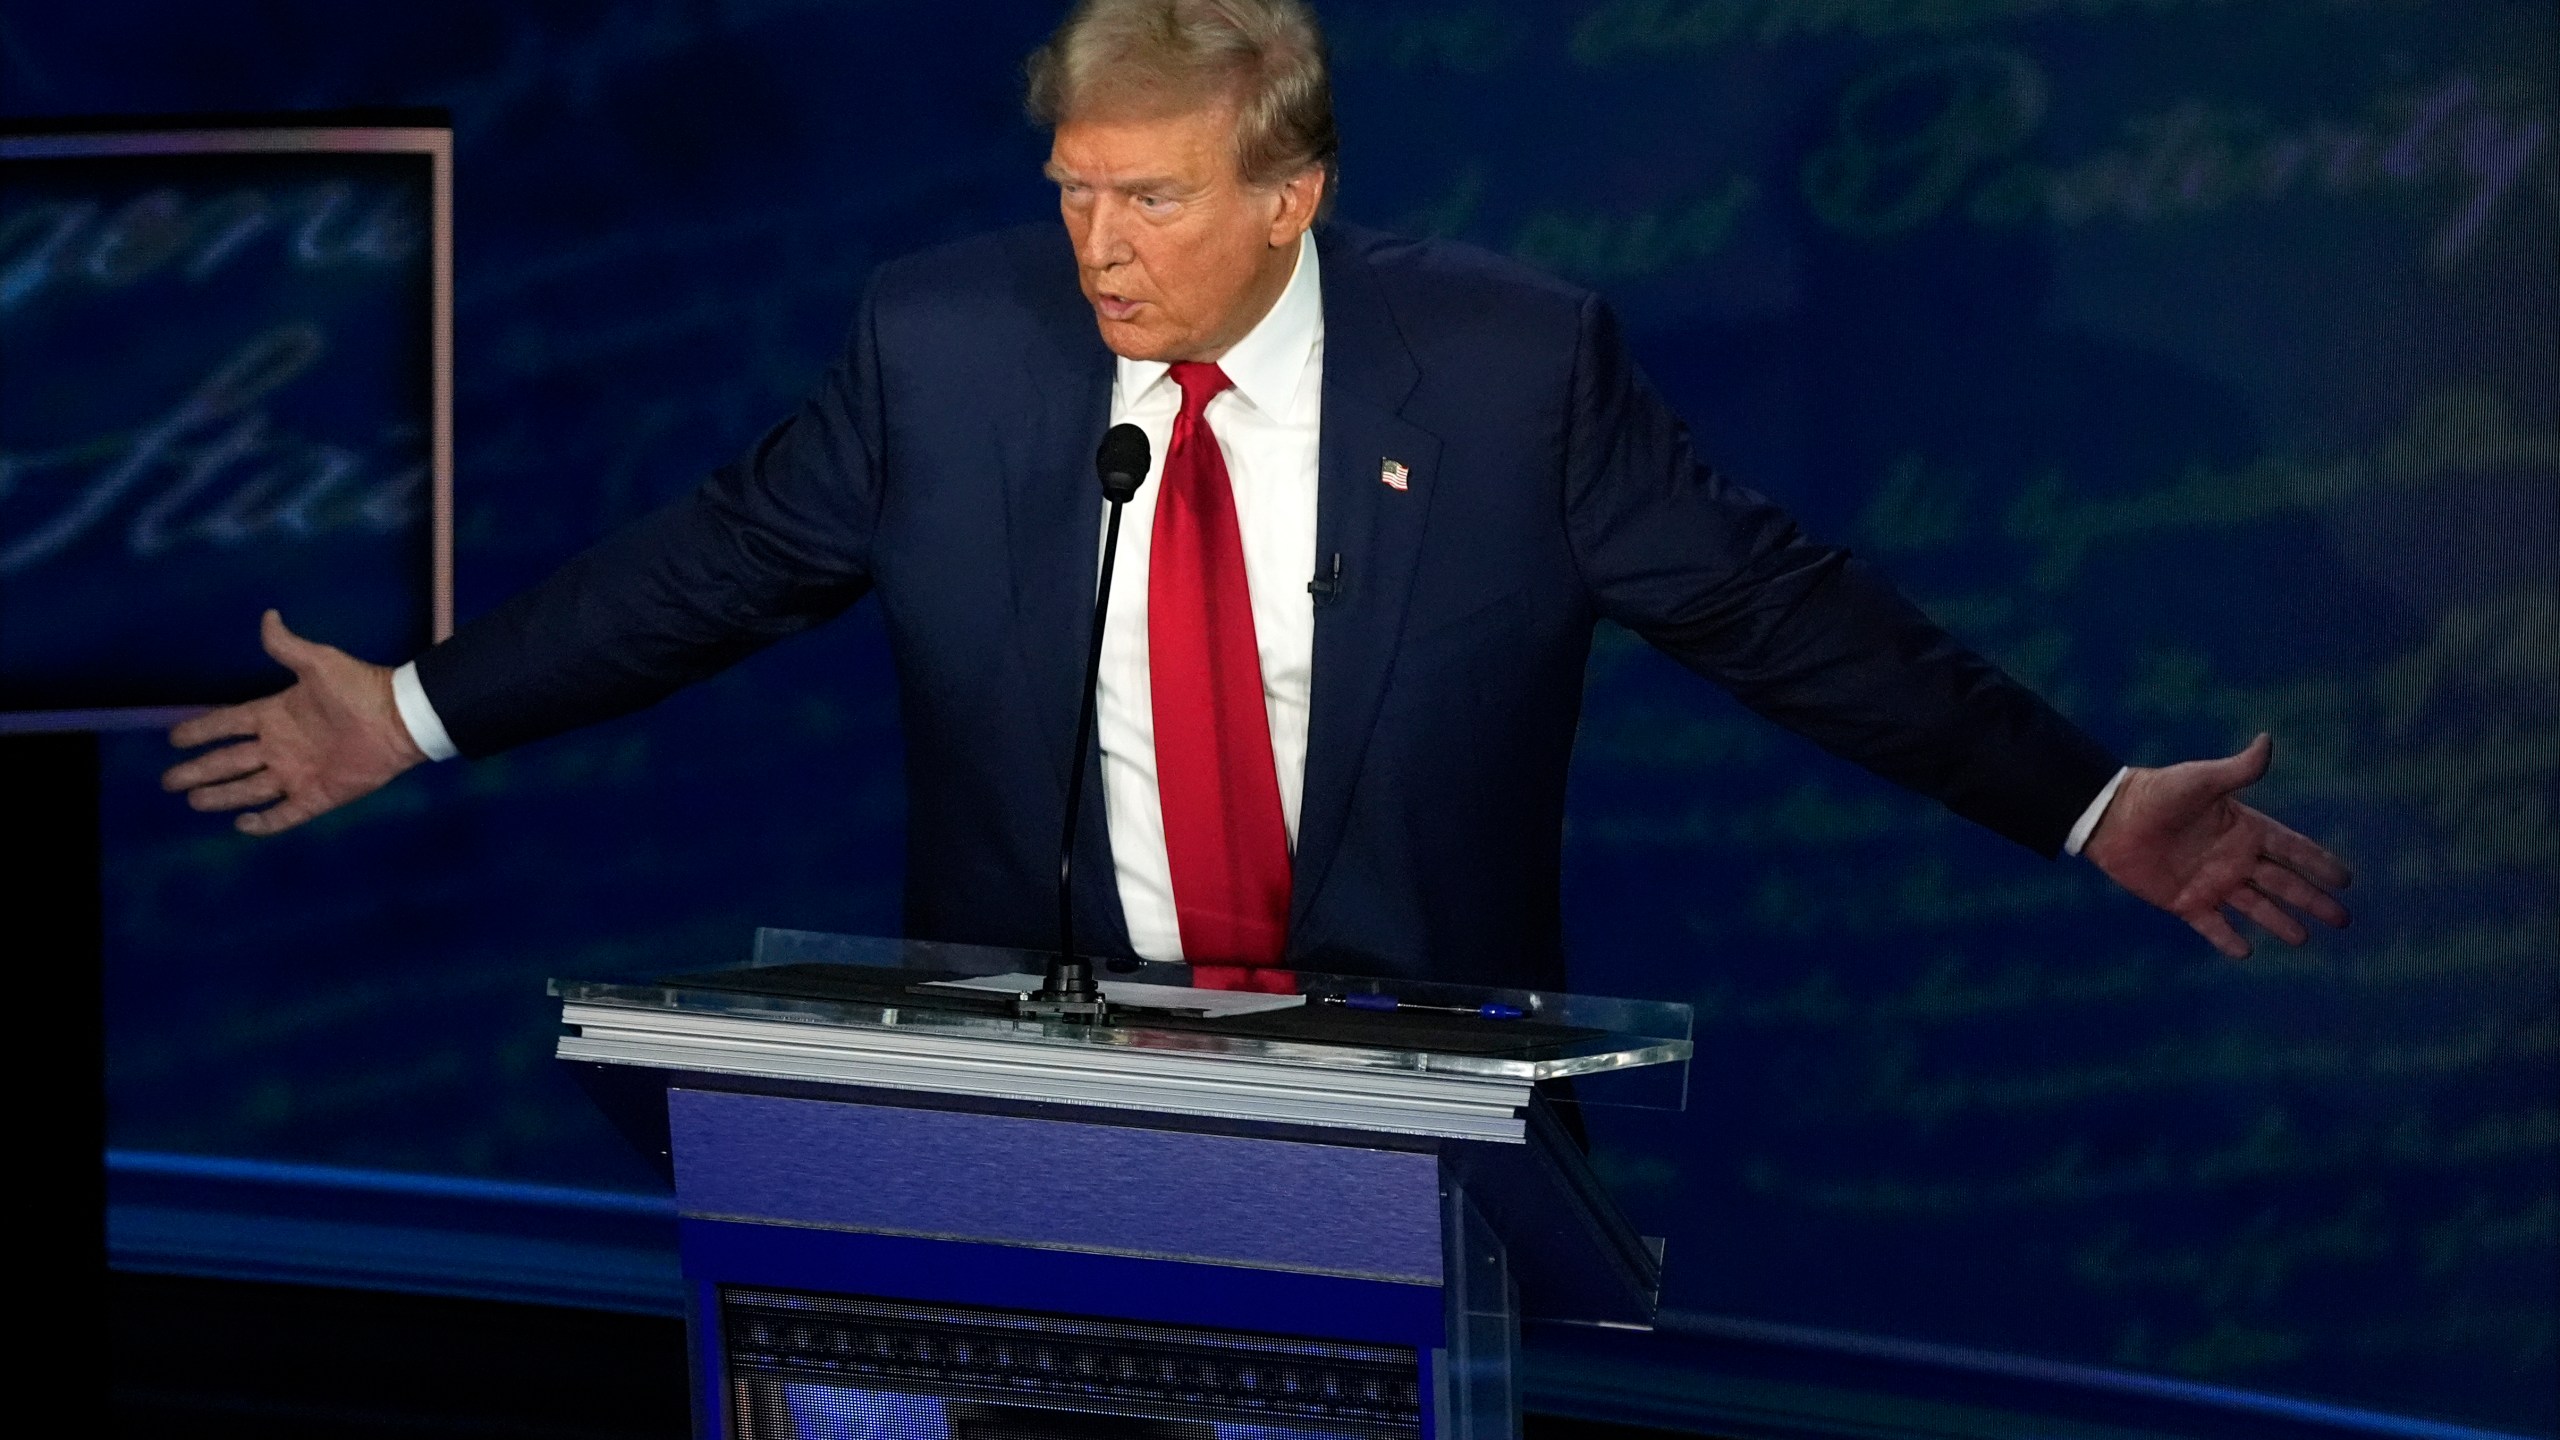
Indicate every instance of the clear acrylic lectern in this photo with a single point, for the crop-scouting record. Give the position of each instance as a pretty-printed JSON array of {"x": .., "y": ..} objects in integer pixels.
[{"x": 1316, "y": 1208}]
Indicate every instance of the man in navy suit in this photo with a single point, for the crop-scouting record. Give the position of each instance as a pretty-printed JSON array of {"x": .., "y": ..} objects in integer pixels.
[{"x": 1396, "y": 484}]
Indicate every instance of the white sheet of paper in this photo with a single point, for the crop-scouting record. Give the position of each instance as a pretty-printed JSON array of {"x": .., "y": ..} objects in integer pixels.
[{"x": 1130, "y": 992}]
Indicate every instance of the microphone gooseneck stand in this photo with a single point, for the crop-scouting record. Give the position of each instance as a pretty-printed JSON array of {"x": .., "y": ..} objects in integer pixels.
[{"x": 1069, "y": 991}]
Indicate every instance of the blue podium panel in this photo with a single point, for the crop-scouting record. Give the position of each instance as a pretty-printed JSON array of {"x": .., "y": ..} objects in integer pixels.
[
  {"x": 876, "y": 1270},
  {"x": 1116, "y": 1189}
]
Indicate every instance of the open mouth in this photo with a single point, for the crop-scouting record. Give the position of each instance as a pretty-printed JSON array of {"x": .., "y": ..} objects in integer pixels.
[{"x": 1115, "y": 307}]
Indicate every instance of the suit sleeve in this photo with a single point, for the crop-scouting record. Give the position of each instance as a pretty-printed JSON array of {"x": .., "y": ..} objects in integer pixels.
[
  {"x": 1723, "y": 581},
  {"x": 773, "y": 543}
]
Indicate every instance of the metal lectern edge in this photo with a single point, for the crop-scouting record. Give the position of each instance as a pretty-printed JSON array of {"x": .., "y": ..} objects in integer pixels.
[{"x": 986, "y": 1066}]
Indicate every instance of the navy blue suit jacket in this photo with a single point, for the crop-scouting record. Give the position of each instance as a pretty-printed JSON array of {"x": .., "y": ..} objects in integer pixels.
[{"x": 945, "y": 464}]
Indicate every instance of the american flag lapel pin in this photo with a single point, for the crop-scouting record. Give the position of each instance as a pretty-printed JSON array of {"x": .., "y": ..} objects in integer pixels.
[{"x": 1394, "y": 475}]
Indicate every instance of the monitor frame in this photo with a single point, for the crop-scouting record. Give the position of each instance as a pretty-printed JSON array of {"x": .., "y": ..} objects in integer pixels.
[{"x": 41, "y": 140}]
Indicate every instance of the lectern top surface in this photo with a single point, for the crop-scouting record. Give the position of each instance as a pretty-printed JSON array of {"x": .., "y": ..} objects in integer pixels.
[{"x": 1325, "y": 1021}]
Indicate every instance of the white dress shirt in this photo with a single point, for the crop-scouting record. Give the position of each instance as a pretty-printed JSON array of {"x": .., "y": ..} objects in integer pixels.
[{"x": 1267, "y": 426}]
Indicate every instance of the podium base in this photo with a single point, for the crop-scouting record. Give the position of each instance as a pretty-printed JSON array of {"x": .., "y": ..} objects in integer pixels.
[{"x": 895, "y": 1271}]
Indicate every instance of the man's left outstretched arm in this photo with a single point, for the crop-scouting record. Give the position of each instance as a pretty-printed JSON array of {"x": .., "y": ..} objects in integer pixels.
[{"x": 1723, "y": 581}]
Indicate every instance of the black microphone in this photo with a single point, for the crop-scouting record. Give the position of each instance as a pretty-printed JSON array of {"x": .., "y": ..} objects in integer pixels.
[
  {"x": 1122, "y": 464},
  {"x": 1069, "y": 991}
]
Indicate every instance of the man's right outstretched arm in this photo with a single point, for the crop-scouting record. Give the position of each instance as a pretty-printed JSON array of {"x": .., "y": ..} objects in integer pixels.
[{"x": 771, "y": 544}]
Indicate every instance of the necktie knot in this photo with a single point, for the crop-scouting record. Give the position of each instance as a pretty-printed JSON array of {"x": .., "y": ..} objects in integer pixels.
[{"x": 1200, "y": 382}]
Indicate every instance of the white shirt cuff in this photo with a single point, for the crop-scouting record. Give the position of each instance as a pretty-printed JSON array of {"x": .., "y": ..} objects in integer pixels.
[
  {"x": 427, "y": 731},
  {"x": 2079, "y": 836}
]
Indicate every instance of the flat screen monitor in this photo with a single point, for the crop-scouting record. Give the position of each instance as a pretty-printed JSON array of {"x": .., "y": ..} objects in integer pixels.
[{"x": 225, "y": 386}]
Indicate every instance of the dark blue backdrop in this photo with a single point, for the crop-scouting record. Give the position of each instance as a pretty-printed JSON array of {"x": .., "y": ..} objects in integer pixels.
[
  {"x": 217, "y": 396},
  {"x": 2197, "y": 360}
]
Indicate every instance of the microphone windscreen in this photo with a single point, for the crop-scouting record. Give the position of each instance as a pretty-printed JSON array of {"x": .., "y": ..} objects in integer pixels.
[{"x": 1122, "y": 462}]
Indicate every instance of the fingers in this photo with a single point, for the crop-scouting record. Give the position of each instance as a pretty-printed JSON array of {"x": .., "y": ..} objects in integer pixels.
[
  {"x": 2218, "y": 931},
  {"x": 228, "y": 763},
  {"x": 2291, "y": 849},
  {"x": 2279, "y": 883},
  {"x": 261, "y": 788},
  {"x": 232, "y": 721},
  {"x": 2270, "y": 916},
  {"x": 276, "y": 819},
  {"x": 286, "y": 648},
  {"x": 229, "y": 722}
]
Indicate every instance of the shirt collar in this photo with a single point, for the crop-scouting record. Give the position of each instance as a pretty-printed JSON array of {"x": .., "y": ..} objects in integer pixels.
[{"x": 1268, "y": 364}]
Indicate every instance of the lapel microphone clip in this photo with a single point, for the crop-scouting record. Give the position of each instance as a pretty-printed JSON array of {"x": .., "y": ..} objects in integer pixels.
[{"x": 1325, "y": 587}]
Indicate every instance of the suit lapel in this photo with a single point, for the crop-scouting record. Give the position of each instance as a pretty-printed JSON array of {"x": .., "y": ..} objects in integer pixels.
[
  {"x": 1053, "y": 526},
  {"x": 1377, "y": 529},
  {"x": 1053, "y": 519}
]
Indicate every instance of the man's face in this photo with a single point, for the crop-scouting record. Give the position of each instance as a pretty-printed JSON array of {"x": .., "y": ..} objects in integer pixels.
[{"x": 1178, "y": 256}]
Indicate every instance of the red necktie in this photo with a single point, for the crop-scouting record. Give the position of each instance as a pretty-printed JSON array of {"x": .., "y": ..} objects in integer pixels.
[{"x": 1228, "y": 846}]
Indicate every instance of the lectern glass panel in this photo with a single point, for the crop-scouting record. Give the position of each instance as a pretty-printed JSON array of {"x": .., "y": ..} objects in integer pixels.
[
  {"x": 1621, "y": 1019},
  {"x": 958, "y": 992}
]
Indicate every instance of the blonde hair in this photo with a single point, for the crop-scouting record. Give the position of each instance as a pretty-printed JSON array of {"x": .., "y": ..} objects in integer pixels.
[{"x": 1265, "y": 56}]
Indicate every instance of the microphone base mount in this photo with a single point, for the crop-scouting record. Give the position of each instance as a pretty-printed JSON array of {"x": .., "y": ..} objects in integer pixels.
[
  {"x": 1094, "y": 1011},
  {"x": 1068, "y": 992}
]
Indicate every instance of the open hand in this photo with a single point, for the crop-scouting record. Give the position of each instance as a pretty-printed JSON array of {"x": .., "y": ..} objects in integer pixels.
[
  {"x": 332, "y": 736},
  {"x": 2177, "y": 837}
]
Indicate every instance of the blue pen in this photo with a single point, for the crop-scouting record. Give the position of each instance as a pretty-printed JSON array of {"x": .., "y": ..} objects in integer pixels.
[{"x": 1491, "y": 1009}]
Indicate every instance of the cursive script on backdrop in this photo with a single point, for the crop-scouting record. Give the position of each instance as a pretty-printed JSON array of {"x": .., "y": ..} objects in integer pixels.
[{"x": 214, "y": 469}]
